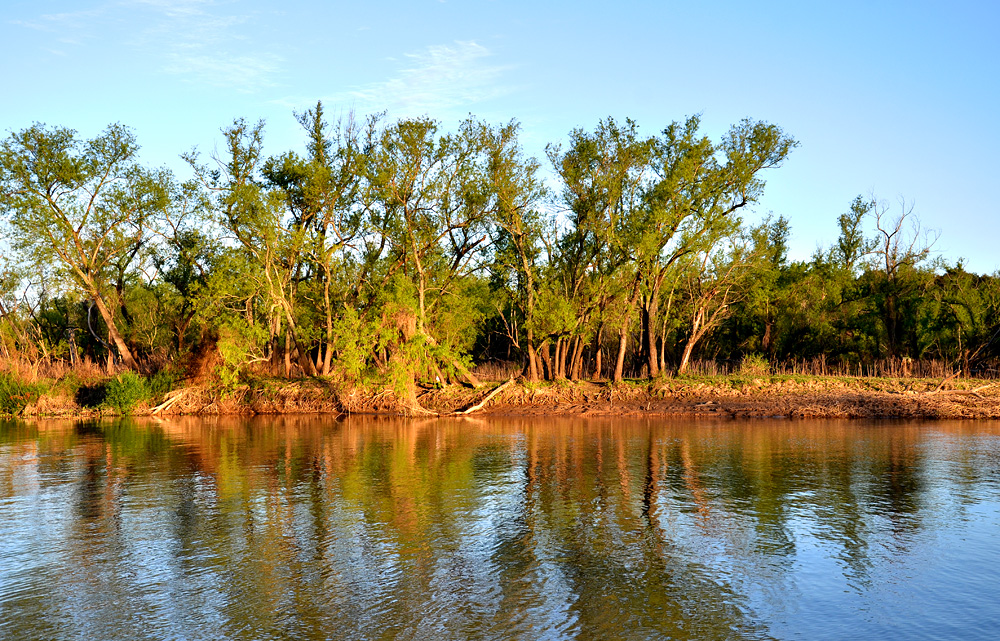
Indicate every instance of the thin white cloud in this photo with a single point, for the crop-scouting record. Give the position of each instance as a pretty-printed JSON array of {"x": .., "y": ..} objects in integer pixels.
[
  {"x": 439, "y": 78},
  {"x": 201, "y": 41},
  {"x": 70, "y": 27},
  {"x": 175, "y": 8},
  {"x": 246, "y": 73},
  {"x": 203, "y": 45}
]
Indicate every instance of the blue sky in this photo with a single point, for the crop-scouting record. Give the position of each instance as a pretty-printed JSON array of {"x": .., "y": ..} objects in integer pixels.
[{"x": 898, "y": 99}]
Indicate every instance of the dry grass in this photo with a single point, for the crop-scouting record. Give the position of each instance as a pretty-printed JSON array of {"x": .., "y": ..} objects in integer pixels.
[
  {"x": 818, "y": 366},
  {"x": 932, "y": 389},
  {"x": 497, "y": 370}
]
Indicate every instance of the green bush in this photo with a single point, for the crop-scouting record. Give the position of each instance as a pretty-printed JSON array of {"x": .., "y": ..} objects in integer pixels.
[
  {"x": 15, "y": 394},
  {"x": 161, "y": 382},
  {"x": 122, "y": 392},
  {"x": 754, "y": 365}
]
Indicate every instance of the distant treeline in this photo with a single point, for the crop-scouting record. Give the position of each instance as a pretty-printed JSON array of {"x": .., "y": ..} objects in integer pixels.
[{"x": 395, "y": 252}]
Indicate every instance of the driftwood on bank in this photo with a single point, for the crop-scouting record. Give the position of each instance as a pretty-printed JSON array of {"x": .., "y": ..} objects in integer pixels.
[
  {"x": 975, "y": 392},
  {"x": 971, "y": 392},
  {"x": 170, "y": 399},
  {"x": 943, "y": 383},
  {"x": 420, "y": 410},
  {"x": 478, "y": 406},
  {"x": 469, "y": 376}
]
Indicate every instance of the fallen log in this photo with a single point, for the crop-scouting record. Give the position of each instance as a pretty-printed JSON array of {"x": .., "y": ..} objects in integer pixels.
[
  {"x": 171, "y": 398},
  {"x": 478, "y": 406},
  {"x": 943, "y": 383}
]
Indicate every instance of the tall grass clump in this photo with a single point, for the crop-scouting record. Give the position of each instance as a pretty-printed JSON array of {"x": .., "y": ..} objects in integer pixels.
[
  {"x": 124, "y": 391},
  {"x": 15, "y": 394},
  {"x": 755, "y": 365}
]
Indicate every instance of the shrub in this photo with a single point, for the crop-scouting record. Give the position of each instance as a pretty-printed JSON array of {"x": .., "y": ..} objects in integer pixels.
[
  {"x": 125, "y": 390},
  {"x": 237, "y": 344},
  {"x": 754, "y": 365},
  {"x": 161, "y": 382},
  {"x": 15, "y": 394}
]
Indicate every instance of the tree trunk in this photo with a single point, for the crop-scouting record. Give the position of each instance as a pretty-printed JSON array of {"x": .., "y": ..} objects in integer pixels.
[
  {"x": 689, "y": 346},
  {"x": 328, "y": 355},
  {"x": 532, "y": 365},
  {"x": 532, "y": 359},
  {"x": 288, "y": 354},
  {"x": 650, "y": 311},
  {"x": 686, "y": 357},
  {"x": 113, "y": 333},
  {"x": 574, "y": 359},
  {"x": 305, "y": 362},
  {"x": 649, "y": 339},
  {"x": 620, "y": 360},
  {"x": 543, "y": 351},
  {"x": 276, "y": 353},
  {"x": 577, "y": 362},
  {"x": 623, "y": 331},
  {"x": 598, "y": 354},
  {"x": 663, "y": 343}
]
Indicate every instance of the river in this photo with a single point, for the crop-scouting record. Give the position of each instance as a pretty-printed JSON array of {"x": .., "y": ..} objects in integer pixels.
[{"x": 498, "y": 528}]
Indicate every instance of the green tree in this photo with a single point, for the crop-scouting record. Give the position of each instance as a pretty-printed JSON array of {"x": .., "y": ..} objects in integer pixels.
[
  {"x": 83, "y": 207},
  {"x": 852, "y": 246},
  {"x": 324, "y": 194},
  {"x": 516, "y": 231},
  {"x": 605, "y": 177},
  {"x": 256, "y": 217},
  {"x": 713, "y": 279},
  {"x": 698, "y": 188},
  {"x": 899, "y": 250}
]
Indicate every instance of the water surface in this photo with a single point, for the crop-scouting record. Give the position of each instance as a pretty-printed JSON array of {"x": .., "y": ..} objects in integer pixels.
[{"x": 313, "y": 528}]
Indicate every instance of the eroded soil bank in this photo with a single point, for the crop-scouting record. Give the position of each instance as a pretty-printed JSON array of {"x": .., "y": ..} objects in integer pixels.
[{"x": 725, "y": 396}]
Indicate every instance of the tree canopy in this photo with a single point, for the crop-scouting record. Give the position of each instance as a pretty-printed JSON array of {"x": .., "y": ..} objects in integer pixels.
[{"x": 398, "y": 252}]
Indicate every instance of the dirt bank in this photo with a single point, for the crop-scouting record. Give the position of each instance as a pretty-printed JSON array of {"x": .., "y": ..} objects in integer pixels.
[
  {"x": 725, "y": 396},
  {"x": 789, "y": 397}
]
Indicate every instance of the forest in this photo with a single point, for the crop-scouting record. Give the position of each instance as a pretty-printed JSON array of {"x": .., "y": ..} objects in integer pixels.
[{"x": 394, "y": 253}]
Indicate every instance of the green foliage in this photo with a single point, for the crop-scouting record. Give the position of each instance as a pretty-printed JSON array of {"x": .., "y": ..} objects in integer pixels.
[
  {"x": 399, "y": 372},
  {"x": 238, "y": 343},
  {"x": 852, "y": 245},
  {"x": 755, "y": 365},
  {"x": 397, "y": 252},
  {"x": 355, "y": 340},
  {"x": 81, "y": 207},
  {"x": 162, "y": 382},
  {"x": 15, "y": 394},
  {"x": 124, "y": 391}
]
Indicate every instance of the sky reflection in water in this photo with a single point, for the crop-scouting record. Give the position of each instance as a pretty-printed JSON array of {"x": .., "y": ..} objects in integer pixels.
[{"x": 311, "y": 528}]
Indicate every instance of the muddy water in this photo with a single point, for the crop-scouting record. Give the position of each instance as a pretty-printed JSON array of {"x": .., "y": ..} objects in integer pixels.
[{"x": 312, "y": 528}]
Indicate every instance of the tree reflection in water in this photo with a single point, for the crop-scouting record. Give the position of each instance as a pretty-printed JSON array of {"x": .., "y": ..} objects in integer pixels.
[{"x": 305, "y": 527}]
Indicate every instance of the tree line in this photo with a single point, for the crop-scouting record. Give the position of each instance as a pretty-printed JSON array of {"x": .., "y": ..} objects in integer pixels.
[{"x": 399, "y": 252}]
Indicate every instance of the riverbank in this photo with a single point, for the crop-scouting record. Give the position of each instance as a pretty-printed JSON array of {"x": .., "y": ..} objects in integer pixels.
[{"x": 718, "y": 396}]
